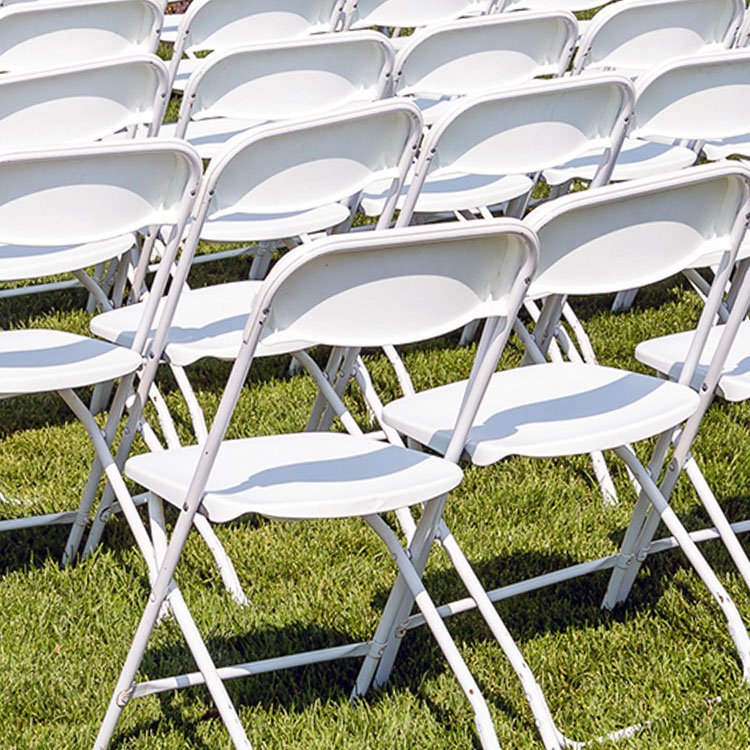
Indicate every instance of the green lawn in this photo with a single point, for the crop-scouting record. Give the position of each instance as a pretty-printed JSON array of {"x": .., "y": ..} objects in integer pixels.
[{"x": 664, "y": 659}]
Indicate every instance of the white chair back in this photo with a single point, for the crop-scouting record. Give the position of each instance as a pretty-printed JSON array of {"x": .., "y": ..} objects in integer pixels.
[
  {"x": 94, "y": 193},
  {"x": 632, "y": 36},
  {"x": 279, "y": 81},
  {"x": 209, "y": 25},
  {"x": 410, "y": 13},
  {"x": 522, "y": 132},
  {"x": 83, "y": 103},
  {"x": 636, "y": 233},
  {"x": 44, "y": 35},
  {"x": 701, "y": 98},
  {"x": 397, "y": 286},
  {"x": 267, "y": 180},
  {"x": 482, "y": 54}
]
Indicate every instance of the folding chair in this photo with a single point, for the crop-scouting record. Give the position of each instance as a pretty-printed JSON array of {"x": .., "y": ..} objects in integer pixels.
[
  {"x": 209, "y": 25},
  {"x": 293, "y": 178},
  {"x": 364, "y": 289},
  {"x": 722, "y": 370},
  {"x": 44, "y": 35},
  {"x": 89, "y": 197},
  {"x": 483, "y": 54},
  {"x": 631, "y": 36},
  {"x": 75, "y": 105},
  {"x": 590, "y": 243},
  {"x": 251, "y": 85}
]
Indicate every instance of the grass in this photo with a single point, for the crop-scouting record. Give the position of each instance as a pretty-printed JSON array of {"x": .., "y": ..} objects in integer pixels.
[{"x": 664, "y": 658}]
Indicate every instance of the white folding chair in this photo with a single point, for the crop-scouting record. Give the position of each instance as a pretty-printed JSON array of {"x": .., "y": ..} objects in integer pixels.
[
  {"x": 721, "y": 370},
  {"x": 209, "y": 25},
  {"x": 345, "y": 291},
  {"x": 273, "y": 181},
  {"x": 43, "y": 35},
  {"x": 251, "y": 85},
  {"x": 590, "y": 243},
  {"x": 631, "y": 36},
  {"x": 488, "y": 148},
  {"x": 474, "y": 55},
  {"x": 88, "y": 197}
]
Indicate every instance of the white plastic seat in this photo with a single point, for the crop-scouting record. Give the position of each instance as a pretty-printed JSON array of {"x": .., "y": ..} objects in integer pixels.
[
  {"x": 483, "y": 54},
  {"x": 44, "y": 35},
  {"x": 548, "y": 410},
  {"x": 483, "y": 152},
  {"x": 666, "y": 354},
  {"x": 248, "y": 86},
  {"x": 193, "y": 334},
  {"x": 369, "y": 288},
  {"x": 286, "y": 477},
  {"x": 48, "y": 360},
  {"x": 592, "y": 242},
  {"x": 209, "y": 25},
  {"x": 632, "y": 36}
]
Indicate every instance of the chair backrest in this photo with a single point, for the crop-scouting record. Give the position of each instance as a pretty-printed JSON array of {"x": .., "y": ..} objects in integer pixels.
[
  {"x": 86, "y": 194},
  {"x": 45, "y": 35},
  {"x": 524, "y": 131},
  {"x": 284, "y": 169},
  {"x": 83, "y": 103},
  {"x": 634, "y": 35},
  {"x": 220, "y": 24},
  {"x": 487, "y": 53},
  {"x": 572, "y": 6},
  {"x": 700, "y": 98},
  {"x": 632, "y": 234},
  {"x": 283, "y": 80},
  {"x": 410, "y": 13}
]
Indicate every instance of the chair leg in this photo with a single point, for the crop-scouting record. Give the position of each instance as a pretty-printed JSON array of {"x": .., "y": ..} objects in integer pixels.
[
  {"x": 737, "y": 628},
  {"x": 621, "y": 588},
  {"x": 551, "y": 736},
  {"x": 200, "y": 653},
  {"x": 482, "y": 718}
]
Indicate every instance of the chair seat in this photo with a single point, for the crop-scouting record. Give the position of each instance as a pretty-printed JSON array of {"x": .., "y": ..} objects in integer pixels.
[
  {"x": 299, "y": 476},
  {"x": 547, "y": 410},
  {"x": 666, "y": 354},
  {"x": 208, "y": 136},
  {"x": 36, "y": 360},
  {"x": 259, "y": 227},
  {"x": 454, "y": 193},
  {"x": 208, "y": 322},
  {"x": 637, "y": 158},
  {"x": 739, "y": 144},
  {"x": 25, "y": 262}
]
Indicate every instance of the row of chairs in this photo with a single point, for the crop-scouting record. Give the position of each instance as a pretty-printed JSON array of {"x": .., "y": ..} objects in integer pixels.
[
  {"x": 426, "y": 281},
  {"x": 222, "y": 213},
  {"x": 595, "y": 242}
]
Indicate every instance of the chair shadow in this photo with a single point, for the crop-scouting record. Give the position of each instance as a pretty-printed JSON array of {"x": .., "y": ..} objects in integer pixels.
[{"x": 300, "y": 688}]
